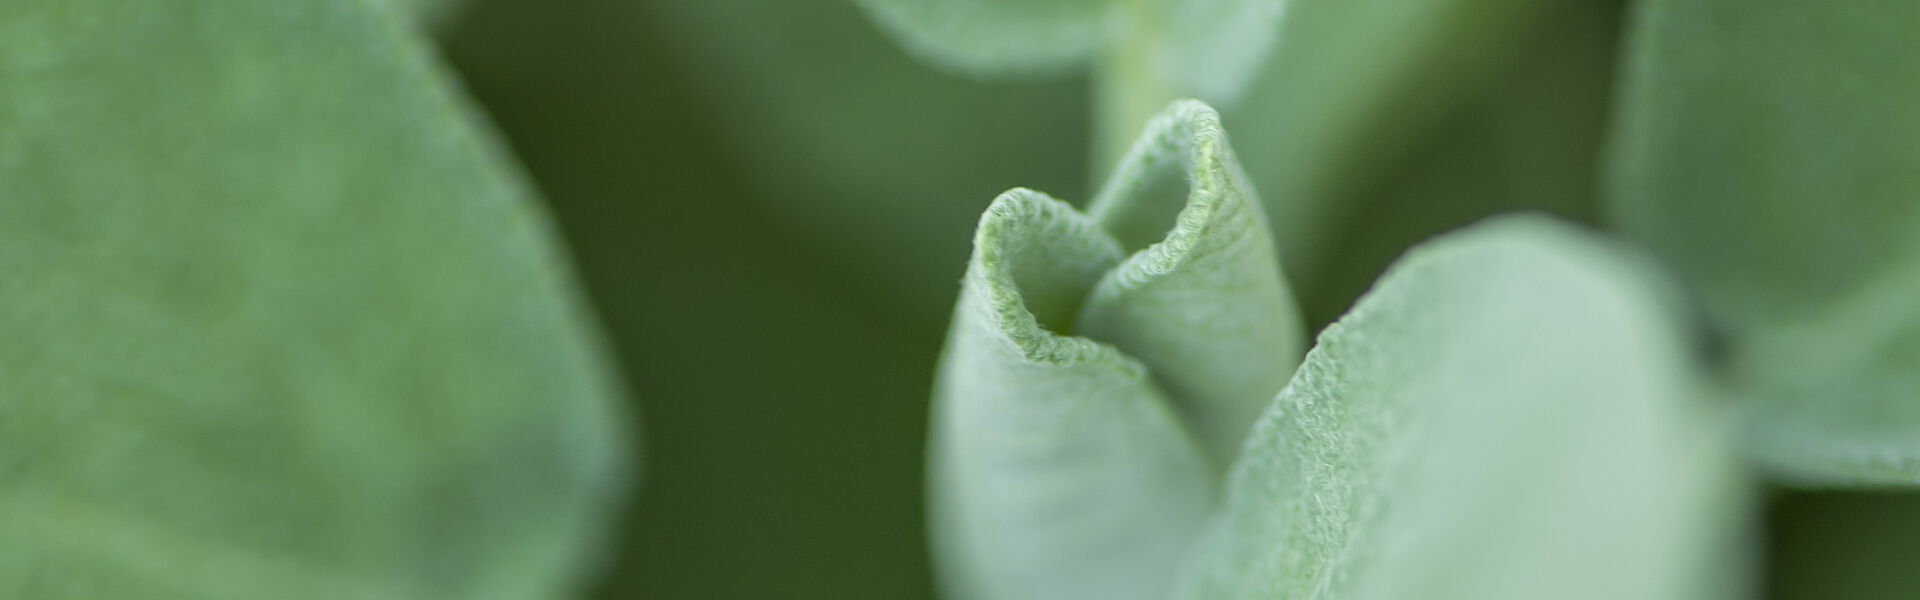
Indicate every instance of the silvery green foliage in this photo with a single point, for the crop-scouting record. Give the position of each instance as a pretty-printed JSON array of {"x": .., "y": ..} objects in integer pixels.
[
  {"x": 1200, "y": 300},
  {"x": 1770, "y": 151},
  {"x": 280, "y": 321},
  {"x": 1507, "y": 414},
  {"x": 1091, "y": 387},
  {"x": 1208, "y": 48}
]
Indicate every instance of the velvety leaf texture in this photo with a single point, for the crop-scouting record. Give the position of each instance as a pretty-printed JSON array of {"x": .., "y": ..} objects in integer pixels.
[
  {"x": 1060, "y": 471},
  {"x": 1771, "y": 152},
  {"x": 1204, "y": 306},
  {"x": 280, "y": 322},
  {"x": 1077, "y": 400},
  {"x": 1505, "y": 415}
]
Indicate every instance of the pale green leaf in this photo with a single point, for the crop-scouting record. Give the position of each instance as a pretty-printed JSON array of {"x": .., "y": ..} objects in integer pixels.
[
  {"x": 1771, "y": 152},
  {"x": 1505, "y": 415},
  {"x": 280, "y": 322},
  {"x": 1059, "y": 469},
  {"x": 1078, "y": 467},
  {"x": 1203, "y": 306}
]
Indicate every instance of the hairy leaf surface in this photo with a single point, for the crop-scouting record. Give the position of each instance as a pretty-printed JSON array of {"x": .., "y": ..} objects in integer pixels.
[
  {"x": 1204, "y": 306},
  {"x": 1083, "y": 389},
  {"x": 1505, "y": 415}
]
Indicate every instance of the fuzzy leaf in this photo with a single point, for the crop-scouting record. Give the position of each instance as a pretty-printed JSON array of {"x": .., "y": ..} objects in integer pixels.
[
  {"x": 1061, "y": 466},
  {"x": 1515, "y": 390},
  {"x": 279, "y": 321},
  {"x": 1060, "y": 471},
  {"x": 1203, "y": 306},
  {"x": 1771, "y": 152}
]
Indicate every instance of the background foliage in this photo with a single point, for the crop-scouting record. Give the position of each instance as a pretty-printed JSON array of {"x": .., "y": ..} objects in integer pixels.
[{"x": 769, "y": 207}]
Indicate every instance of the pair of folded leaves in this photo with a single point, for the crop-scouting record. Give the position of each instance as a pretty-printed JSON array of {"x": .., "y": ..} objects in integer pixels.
[{"x": 1512, "y": 412}]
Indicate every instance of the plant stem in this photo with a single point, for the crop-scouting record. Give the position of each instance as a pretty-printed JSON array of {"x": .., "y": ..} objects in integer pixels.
[{"x": 1129, "y": 87}]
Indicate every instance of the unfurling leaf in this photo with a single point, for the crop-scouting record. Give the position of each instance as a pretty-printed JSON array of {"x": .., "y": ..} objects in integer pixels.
[
  {"x": 1203, "y": 306},
  {"x": 1082, "y": 389},
  {"x": 1505, "y": 415}
]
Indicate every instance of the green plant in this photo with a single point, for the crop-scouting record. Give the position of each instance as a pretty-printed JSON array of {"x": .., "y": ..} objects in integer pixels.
[
  {"x": 282, "y": 318},
  {"x": 1517, "y": 409}
]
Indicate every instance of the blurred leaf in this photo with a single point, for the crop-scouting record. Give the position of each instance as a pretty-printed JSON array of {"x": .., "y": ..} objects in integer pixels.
[
  {"x": 1162, "y": 50},
  {"x": 1771, "y": 152},
  {"x": 1203, "y": 305},
  {"x": 1062, "y": 466},
  {"x": 1380, "y": 123},
  {"x": 1209, "y": 49},
  {"x": 1205, "y": 48},
  {"x": 995, "y": 36},
  {"x": 880, "y": 164},
  {"x": 801, "y": 183},
  {"x": 1506, "y": 415},
  {"x": 282, "y": 323}
]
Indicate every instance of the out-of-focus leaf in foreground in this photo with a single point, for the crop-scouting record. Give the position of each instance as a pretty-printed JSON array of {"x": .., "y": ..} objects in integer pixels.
[
  {"x": 1771, "y": 152},
  {"x": 1087, "y": 396},
  {"x": 1505, "y": 415},
  {"x": 279, "y": 320}
]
